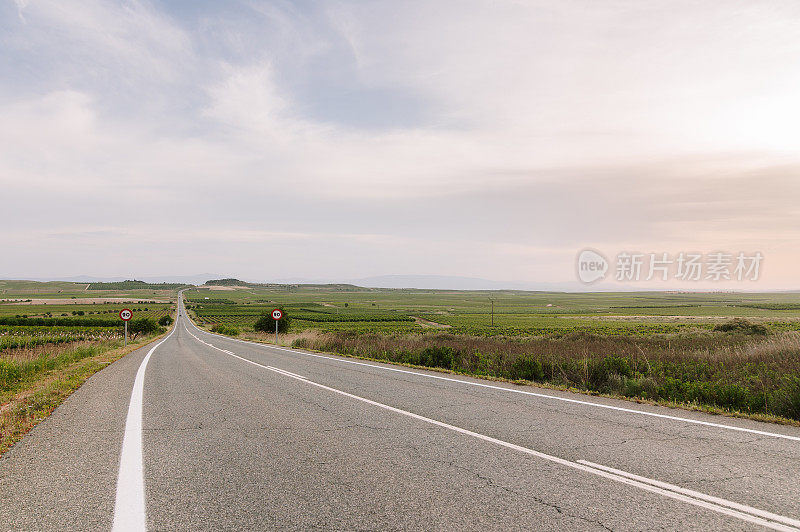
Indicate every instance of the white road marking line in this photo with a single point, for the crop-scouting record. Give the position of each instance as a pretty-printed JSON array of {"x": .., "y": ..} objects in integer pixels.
[
  {"x": 129, "y": 508},
  {"x": 697, "y": 495},
  {"x": 722, "y": 506},
  {"x": 524, "y": 392},
  {"x": 287, "y": 373}
]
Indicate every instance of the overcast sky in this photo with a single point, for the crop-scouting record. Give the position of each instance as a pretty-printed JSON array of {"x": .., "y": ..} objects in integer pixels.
[{"x": 345, "y": 139}]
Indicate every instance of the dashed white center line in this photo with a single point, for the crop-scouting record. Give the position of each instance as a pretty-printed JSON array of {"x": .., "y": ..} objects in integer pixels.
[
  {"x": 343, "y": 360},
  {"x": 716, "y": 504}
]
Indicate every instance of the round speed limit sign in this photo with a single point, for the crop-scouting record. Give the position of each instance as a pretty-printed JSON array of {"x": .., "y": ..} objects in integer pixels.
[
  {"x": 125, "y": 314},
  {"x": 277, "y": 314}
]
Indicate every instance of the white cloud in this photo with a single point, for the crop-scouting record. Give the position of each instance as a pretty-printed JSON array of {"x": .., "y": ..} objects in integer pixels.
[
  {"x": 551, "y": 126},
  {"x": 98, "y": 37}
]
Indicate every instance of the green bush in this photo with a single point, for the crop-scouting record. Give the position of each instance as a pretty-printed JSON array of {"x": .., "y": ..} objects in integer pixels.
[
  {"x": 10, "y": 373},
  {"x": 607, "y": 372},
  {"x": 301, "y": 343},
  {"x": 227, "y": 330},
  {"x": 741, "y": 325},
  {"x": 265, "y": 323},
  {"x": 436, "y": 357},
  {"x": 142, "y": 326},
  {"x": 165, "y": 321},
  {"x": 528, "y": 368}
]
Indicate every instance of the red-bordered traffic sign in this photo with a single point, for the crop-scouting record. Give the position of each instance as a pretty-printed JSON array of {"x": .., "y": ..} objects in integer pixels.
[
  {"x": 125, "y": 314},
  {"x": 277, "y": 314}
]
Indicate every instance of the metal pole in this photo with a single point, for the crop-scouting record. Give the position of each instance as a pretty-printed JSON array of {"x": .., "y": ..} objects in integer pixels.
[
  {"x": 276, "y": 332},
  {"x": 126, "y": 334}
]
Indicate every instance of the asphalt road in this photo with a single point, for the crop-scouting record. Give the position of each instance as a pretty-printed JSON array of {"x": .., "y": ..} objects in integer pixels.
[{"x": 202, "y": 432}]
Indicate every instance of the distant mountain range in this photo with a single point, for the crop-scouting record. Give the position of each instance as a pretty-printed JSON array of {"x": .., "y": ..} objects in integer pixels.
[
  {"x": 445, "y": 282},
  {"x": 424, "y": 282},
  {"x": 428, "y": 282},
  {"x": 186, "y": 279},
  {"x": 450, "y": 282}
]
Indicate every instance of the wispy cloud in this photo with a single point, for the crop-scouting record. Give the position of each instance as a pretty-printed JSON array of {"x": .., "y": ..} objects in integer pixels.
[{"x": 396, "y": 138}]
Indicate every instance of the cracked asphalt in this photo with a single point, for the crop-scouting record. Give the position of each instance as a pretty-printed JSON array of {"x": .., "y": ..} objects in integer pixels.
[{"x": 228, "y": 445}]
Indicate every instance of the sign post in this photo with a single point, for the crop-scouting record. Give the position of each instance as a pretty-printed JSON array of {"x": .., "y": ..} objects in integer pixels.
[
  {"x": 125, "y": 315},
  {"x": 277, "y": 314}
]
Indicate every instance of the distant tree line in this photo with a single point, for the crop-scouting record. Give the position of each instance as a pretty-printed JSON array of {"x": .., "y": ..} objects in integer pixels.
[
  {"x": 62, "y": 322},
  {"x": 135, "y": 285}
]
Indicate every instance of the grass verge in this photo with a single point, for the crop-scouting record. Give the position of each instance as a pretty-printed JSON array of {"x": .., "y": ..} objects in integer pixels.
[
  {"x": 29, "y": 392},
  {"x": 726, "y": 374}
]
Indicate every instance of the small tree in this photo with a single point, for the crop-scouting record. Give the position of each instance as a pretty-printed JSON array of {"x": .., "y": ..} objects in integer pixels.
[
  {"x": 142, "y": 326},
  {"x": 266, "y": 324},
  {"x": 165, "y": 321}
]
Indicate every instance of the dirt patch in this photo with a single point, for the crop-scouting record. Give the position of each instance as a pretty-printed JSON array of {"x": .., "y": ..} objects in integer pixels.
[{"x": 422, "y": 322}]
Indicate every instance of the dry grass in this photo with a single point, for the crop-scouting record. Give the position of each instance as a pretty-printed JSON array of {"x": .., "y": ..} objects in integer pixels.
[
  {"x": 738, "y": 373},
  {"x": 778, "y": 348},
  {"x": 31, "y": 353},
  {"x": 22, "y": 409},
  {"x": 286, "y": 339}
]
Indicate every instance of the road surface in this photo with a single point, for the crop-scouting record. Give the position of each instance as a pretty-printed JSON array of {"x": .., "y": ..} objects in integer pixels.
[{"x": 202, "y": 432}]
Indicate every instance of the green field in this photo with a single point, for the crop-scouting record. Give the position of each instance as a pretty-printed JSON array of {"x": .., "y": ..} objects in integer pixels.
[
  {"x": 53, "y": 336},
  {"x": 37, "y": 317},
  {"x": 730, "y": 353},
  {"x": 66, "y": 290},
  {"x": 677, "y": 348},
  {"x": 515, "y": 313}
]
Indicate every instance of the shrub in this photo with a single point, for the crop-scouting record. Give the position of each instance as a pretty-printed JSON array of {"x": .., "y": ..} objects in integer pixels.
[
  {"x": 741, "y": 325},
  {"x": 165, "y": 321},
  {"x": 528, "y": 368},
  {"x": 607, "y": 371},
  {"x": 227, "y": 330},
  {"x": 437, "y": 357},
  {"x": 265, "y": 323},
  {"x": 301, "y": 343},
  {"x": 9, "y": 373},
  {"x": 142, "y": 326}
]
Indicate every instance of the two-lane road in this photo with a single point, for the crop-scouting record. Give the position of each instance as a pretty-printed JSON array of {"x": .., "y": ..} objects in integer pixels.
[{"x": 207, "y": 432}]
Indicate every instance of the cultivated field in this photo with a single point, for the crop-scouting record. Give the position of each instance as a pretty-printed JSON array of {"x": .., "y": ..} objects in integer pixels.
[
  {"x": 725, "y": 352},
  {"x": 55, "y": 335},
  {"x": 515, "y": 313}
]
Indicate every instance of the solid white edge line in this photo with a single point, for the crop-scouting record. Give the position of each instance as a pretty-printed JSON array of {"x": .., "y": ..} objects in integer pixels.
[
  {"x": 130, "y": 513},
  {"x": 751, "y": 515},
  {"x": 697, "y": 495},
  {"x": 344, "y": 360}
]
